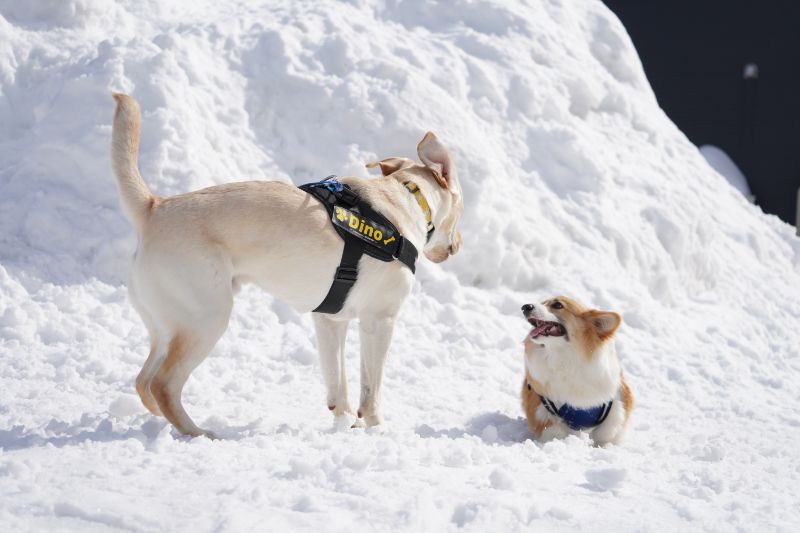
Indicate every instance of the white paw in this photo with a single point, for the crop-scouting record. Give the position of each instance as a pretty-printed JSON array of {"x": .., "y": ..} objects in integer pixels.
[
  {"x": 552, "y": 433},
  {"x": 344, "y": 421},
  {"x": 372, "y": 420},
  {"x": 378, "y": 429}
]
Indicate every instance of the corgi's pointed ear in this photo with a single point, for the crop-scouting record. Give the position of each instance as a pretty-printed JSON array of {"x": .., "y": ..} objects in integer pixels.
[
  {"x": 437, "y": 158},
  {"x": 391, "y": 165},
  {"x": 605, "y": 323}
]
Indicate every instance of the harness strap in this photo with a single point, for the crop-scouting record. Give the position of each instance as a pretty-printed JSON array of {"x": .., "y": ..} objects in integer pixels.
[
  {"x": 605, "y": 413},
  {"x": 407, "y": 254},
  {"x": 344, "y": 279},
  {"x": 549, "y": 405}
]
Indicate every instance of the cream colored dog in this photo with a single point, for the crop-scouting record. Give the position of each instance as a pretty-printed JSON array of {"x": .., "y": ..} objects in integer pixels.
[{"x": 196, "y": 249}]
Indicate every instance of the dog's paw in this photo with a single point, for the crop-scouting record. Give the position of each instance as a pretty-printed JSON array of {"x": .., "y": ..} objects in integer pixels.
[
  {"x": 378, "y": 429},
  {"x": 553, "y": 432},
  {"x": 373, "y": 420},
  {"x": 344, "y": 421},
  {"x": 210, "y": 435}
]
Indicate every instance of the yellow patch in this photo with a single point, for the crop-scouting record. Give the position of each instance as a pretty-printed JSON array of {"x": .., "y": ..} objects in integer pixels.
[{"x": 361, "y": 227}]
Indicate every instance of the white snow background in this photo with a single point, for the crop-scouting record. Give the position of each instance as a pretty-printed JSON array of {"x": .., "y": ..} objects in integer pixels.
[{"x": 575, "y": 183}]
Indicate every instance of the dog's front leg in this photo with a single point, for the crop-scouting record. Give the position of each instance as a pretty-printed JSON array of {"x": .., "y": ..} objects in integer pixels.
[
  {"x": 376, "y": 336},
  {"x": 331, "y": 335}
]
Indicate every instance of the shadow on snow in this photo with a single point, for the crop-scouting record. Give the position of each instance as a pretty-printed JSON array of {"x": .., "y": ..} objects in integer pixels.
[{"x": 491, "y": 428}]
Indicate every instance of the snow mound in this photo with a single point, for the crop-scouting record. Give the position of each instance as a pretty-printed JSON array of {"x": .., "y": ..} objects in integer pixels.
[
  {"x": 575, "y": 182},
  {"x": 722, "y": 163}
]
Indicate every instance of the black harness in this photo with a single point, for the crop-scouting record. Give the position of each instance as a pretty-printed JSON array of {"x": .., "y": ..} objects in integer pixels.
[{"x": 364, "y": 231}]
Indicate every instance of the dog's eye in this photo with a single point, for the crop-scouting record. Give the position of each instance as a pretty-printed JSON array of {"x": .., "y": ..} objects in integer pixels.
[{"x": 556, "y": 305}]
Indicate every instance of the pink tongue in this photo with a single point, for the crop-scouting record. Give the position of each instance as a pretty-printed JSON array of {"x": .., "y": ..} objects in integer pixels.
[
  {"x": 538, "y": 330},
  {"x": 553, "y": 330}
]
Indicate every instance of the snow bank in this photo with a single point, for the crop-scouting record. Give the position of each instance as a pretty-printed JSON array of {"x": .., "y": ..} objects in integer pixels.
[
  {"x": 575, "y": 182},
  {"x": 727, "y": 168}
]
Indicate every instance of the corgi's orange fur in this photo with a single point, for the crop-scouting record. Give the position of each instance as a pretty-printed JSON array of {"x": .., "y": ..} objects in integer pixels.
[{"x": 570, "y": 358}]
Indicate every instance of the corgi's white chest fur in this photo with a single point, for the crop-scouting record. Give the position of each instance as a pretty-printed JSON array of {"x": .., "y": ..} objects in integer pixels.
[{"x": 569, "y": 377}]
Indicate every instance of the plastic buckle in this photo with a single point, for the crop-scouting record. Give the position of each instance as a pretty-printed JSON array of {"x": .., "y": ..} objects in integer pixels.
[
  {"x": 348, "y": 196},
  {"x": 346, "y": 274},
  {"x": 332, "y": 183},
  {"x": 430, "y": 228}
]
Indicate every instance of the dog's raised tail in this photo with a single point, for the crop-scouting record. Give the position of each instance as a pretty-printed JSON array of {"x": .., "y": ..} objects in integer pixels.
[{"x": 134, "y": 195}]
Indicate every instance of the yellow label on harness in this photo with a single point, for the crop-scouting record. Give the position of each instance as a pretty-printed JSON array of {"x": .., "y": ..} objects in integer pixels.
[{"x": 362, "y": 227}]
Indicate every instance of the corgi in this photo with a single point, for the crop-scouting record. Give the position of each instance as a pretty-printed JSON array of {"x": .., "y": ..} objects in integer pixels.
[{"x": 573, "y": 377}]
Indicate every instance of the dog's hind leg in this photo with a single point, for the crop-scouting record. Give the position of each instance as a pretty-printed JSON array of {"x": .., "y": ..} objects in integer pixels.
[
  {"x": 331, "y": 336},
  {"x": 188, "y": 347},
  {"x": 157, "y": 352},
  {"x": 375, "y": 336},
  {"x": 147, "y": 374}
]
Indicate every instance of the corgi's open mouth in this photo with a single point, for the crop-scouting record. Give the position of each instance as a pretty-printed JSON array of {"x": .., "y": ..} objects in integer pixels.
[{"x": 547, "y": 329}]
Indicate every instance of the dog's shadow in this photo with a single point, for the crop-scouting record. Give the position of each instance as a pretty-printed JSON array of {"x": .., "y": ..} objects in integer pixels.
[
  {"x": 58, "y": 433},
  {"x": 100, "y": 428},
  {"x": 491, "y": 428}
]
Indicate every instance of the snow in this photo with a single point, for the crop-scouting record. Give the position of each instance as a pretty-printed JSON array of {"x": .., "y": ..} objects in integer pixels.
[
  {"x": 575, "y": 182},
  {"x": 722, "y": 163}
]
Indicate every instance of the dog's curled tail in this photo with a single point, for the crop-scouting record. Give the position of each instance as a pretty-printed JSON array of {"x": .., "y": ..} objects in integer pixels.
[{"x": 136, "y": 199}]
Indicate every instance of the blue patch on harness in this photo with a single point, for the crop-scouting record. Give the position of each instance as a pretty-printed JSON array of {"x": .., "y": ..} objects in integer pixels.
[{"x": 578, "y": 419}]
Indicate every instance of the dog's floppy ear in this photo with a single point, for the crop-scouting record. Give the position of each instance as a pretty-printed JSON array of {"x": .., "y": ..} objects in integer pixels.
[
  {"x": 391, "y": 165},
  {"x": 437, "y": 158},
  {"x": 605, "y": 323}
]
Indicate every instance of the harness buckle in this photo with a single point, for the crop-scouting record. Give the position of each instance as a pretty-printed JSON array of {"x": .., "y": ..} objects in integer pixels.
[
  {"x": 345, "y": 273},
  {"x": 348, "y": 196}
]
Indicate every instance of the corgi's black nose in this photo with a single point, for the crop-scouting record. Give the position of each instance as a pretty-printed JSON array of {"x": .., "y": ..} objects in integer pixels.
[{"x": 527, "y": 308}]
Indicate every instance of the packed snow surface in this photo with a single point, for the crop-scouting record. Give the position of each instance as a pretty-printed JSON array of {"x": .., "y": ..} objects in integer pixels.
[{"x": 575, "y": 183}]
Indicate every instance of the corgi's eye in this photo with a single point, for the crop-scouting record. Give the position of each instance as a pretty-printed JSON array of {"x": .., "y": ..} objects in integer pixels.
[{"x": 556, "y": 305}]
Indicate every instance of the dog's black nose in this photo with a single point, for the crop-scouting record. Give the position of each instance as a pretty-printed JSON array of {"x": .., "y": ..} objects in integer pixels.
[{"x": 527, "y": 308}]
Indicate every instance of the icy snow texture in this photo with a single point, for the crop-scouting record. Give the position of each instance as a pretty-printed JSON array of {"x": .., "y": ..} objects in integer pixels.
[{"x": 575, "y": 182}]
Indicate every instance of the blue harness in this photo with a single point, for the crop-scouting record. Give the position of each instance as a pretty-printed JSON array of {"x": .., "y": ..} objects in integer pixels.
[{"x": 577, "y": 419}]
